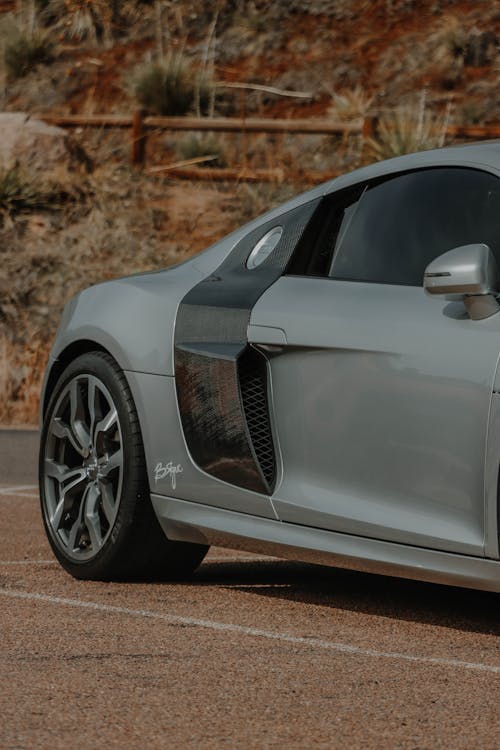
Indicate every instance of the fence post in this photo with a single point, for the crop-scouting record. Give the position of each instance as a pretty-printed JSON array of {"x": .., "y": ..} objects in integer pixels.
[
  {"x": 138, "y": 151},
  {"x": 368, "y": 133},
  {"x": 370, "y": 126}
]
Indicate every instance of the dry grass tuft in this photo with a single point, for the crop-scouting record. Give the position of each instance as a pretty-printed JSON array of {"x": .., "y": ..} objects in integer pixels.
[
  {"x": 350, "y": 104},
  {"x": 408, "y": 129},
  {"x": 25, "y": 51},
  {"x": 90, "y": 20},
  {"x": 21, "y": 195},
  {"x": 172, "y": 87},
  {"x": 194, "y": 146}
]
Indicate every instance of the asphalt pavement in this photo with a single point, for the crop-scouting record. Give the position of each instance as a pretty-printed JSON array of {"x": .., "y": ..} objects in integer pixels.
[
  {"x": 251, "y": 653},
  {"x": 18, "y": 456}
]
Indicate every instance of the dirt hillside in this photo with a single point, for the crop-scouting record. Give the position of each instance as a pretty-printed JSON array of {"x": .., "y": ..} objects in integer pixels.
[{"x": 429, "y": 62}]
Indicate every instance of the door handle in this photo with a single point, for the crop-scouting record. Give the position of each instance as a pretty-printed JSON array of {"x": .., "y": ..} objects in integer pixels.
[{"x": 267, "y": 336}]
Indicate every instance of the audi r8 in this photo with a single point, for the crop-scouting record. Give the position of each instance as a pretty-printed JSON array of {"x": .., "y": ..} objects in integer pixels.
[{"x": 322, "y": 384}]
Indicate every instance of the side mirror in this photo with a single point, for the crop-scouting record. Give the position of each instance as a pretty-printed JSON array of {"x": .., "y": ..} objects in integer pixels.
[{"x": 467, "y": 273}]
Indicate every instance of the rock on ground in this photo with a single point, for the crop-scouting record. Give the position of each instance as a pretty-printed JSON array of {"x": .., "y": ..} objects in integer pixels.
[{"x": 36, "y": 147}]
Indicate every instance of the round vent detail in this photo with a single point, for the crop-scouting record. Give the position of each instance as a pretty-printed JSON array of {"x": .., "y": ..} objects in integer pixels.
[{"x": 264, "y": 247}]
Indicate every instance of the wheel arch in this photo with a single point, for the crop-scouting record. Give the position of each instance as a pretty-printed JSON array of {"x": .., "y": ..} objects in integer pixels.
[{"x": 64, "y": 358}]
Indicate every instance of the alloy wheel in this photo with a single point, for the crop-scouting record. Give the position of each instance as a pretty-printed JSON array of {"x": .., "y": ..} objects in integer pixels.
[{"x": 82, "y": 467}]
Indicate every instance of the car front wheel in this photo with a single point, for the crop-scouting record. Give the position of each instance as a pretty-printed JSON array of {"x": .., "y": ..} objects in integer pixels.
[{"x": 94, "y": 491}]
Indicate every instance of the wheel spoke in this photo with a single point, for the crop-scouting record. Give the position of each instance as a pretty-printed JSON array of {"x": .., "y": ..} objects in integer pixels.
[
  {"x": 79, "y": 477},
  {"x": 63, "y": 498},
  {"x": 73, "y": 533},
  {"x": 76, "y": 527},
  {"x": 108, "y": 502},
  {"x": 77, "y": 419},
  {"x": 115, "y": 461},
  {"x": 59, "y": 429},
  {"x": 63, "y": 431},
  {"x": 92, "y": 521},
  {"x": 55, "y": 518},
  {"x": 68, "y": 480},
  {"x": 62, "y": 473},
  {"x": 93, "y": 405},
  {"x": 105, "y": 424},
  {"x": 77, "y": 524}
]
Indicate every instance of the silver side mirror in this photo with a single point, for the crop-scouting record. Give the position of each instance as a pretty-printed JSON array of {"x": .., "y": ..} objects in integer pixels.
[{"x": 467, "y": 273}]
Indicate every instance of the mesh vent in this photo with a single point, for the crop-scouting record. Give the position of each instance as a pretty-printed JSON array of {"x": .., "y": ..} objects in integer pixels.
[{"x": 252, "y": 369}]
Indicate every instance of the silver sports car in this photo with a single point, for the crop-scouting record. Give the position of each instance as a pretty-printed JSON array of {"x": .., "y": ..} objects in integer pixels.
[{"x": 322, "y": 384}]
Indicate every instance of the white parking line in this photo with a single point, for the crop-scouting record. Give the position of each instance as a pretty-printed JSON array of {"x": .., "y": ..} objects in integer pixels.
[
  {"x": 13, "y": 496},
  {"x": 19, "y": 491},
  {"x": 28, "y": 562},
  {"x": 342, "y": 648},
  {"x": 241, "y": 558}
]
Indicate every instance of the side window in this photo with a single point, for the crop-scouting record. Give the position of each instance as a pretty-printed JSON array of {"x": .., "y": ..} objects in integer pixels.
[
  {"x": 325, "y": 230},
  {"x": 400, "y": 225}
]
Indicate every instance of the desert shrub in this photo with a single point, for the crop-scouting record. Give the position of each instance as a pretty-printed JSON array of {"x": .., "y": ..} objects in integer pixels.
[
  {"x": 455, "y": 45},
  {"x": 250, "y": 19},
  {"x": 407, "y": 129},
  {"x": 19, "y": 195},
  {"x": 165, "y": 88},
  {"x": 350, "y": 104},
  {"x": 25, "y": 52},
  {"x": 171, "y": 87},
  {"x": 469, "y": 46},
  {"x": 194, "y": 146},
  {"x": 91, "y": 20}
]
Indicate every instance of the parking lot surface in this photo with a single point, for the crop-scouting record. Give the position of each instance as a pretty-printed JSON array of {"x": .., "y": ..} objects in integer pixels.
[{"x": 251, "y": 653}]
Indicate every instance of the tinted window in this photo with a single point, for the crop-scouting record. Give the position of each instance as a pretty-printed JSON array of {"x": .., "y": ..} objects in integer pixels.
[
  {"x": 314, "y": 251},
  {"x": 402, "y": 224}
]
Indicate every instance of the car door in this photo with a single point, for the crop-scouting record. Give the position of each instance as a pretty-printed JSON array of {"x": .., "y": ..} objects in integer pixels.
[
  {"x": 215, "y": 377},
  {"x": 380, "y": 393}
]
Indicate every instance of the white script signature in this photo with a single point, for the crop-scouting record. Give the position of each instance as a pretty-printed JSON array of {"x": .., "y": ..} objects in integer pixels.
[{"x": 168, "y": 470}]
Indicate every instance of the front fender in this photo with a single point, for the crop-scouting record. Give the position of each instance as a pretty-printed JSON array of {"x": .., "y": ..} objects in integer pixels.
[{"x": 131, "y": 318}]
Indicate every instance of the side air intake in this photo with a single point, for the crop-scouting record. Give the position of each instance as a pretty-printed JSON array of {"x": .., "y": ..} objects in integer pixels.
[{"x": 252, "y": 372}]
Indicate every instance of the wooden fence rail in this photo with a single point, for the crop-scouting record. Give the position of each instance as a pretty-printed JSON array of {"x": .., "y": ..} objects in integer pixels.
[
  {"x": 140, "y": 124},
  {"x": 215, "y": 124},
  {"x": 474, "y": 131}
]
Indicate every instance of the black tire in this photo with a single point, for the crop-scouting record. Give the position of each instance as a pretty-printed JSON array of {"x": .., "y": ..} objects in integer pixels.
[{"x": 133, "y": 545}]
